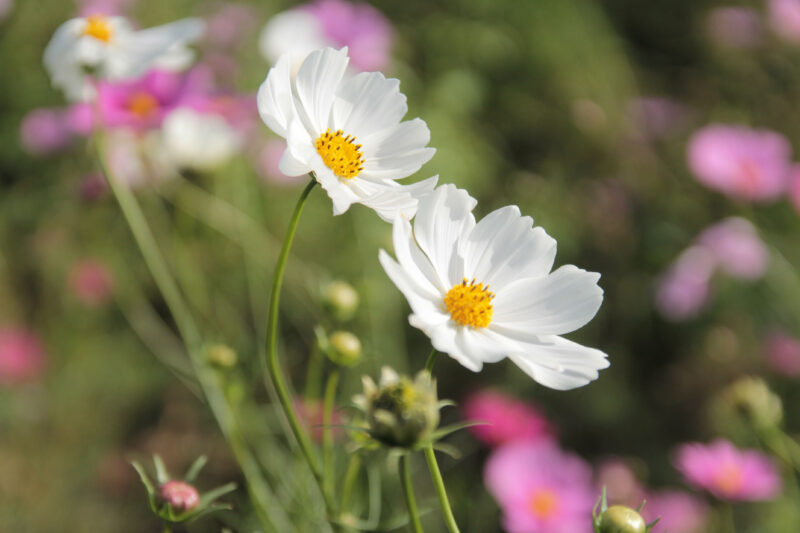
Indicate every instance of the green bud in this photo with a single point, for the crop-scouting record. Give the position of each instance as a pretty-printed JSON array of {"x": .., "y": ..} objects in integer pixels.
[
  {"x": 341, "y": 299},
  {"x": 345, "y": 348},
  {"x": 221, "y": 355},
  {"x": 621, "y": 519},
  {"x": 745, "y": 403},
  {"x": 400, "y": 412}
]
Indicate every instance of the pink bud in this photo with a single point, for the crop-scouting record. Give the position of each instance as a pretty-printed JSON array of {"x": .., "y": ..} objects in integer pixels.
[{"x": 179, "y": 495}]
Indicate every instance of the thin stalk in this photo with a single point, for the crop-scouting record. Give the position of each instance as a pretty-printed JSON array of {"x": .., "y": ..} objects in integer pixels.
[
  {"x": 188, "y": 331},
  {"x": 438, "y": 482},
  {"x": 327, "y": 431},
  {"x": 273, "y": 365},
  {"x": 431, "y": 361},
  {"x": 408, "y": 492},
  {"x": 350, "y": 477}
]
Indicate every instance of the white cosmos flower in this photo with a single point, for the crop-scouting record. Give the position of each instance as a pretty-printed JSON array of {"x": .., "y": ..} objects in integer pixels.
[
  {"x": 199, "y": 141},
  {"x": 484, "y": 291},
  {"x": 294, "y": 32},
  {"x": 348, "y": 131},
  {"x": 110, "y": 48}
]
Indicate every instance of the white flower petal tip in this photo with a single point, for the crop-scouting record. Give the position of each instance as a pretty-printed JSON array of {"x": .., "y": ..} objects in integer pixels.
[
  {"x": 484, "y": 290},
  {"x": 349, "y": 131}
]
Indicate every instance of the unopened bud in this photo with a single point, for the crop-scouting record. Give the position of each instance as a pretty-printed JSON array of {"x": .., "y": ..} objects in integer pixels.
[
  {"x": 345, "y": 348},
  {"x": 341, "y": 299},
  {"x": 621, "y": 519},
  {"x": 221, "y": 355},
  {"x": 751, "y": 400},
  {"x": 179, "y": 495}
]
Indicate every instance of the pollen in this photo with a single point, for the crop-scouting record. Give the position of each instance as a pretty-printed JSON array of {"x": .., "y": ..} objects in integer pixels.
[
  {"x": 543, "y": 504},
  {"x": 97, "y": 26},
  {"x": 470, "y": 304},
  {"x": 142, "y": 104},
  {"x": 340, "y": 153}
]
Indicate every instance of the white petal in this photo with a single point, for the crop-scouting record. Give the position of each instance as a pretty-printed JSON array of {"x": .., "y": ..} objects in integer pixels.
[
  {"x": 339, "y": 193},
  {"x": 555, "y": 304},
  {"x": 139, "y": 50},
  {"x": 413, "y": 261},
  {"x": 390, "y": 199},
  {"x": 368, "y": 102},
  {"x": 414, "y": 288},
  {"x": 504, "y": 247},
  {"x": 482, "y": 344},
  {"x": 397, "y": 152},
  {"x": 560, "y": 364},
  {"x": 443, "y": 217},
  {"x": 317, "y": 83},
  {"x": 290, "y": 166},
  {"x": 275, "y": 101},
  {"x": 296, "y": 33},
  {"x": 444, "y": 339}
]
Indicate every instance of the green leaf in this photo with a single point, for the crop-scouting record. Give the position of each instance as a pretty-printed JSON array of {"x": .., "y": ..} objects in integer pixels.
[
  {"x": 194, "y": 470},
  {"x": 151, "y": 490},
  {"x": 208, "y": 497},
  {"x": 161, "y": 471}
]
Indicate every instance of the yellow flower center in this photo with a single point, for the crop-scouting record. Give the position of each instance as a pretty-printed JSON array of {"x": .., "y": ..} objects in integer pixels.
[
  {"x": 97, "y": 26},
  {"x": 340, "y": 153},
  {"x": 142, "y": 104},
  {"x": 729, "y": 480},
  {"x": 543, "y": 503},
  {"x": 470, "y": 304}
]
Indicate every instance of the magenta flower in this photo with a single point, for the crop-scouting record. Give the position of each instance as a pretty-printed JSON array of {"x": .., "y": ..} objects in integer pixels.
[
  {"x": 736, "y": 247},
  {"x": 21, "y": 356},
  {"x": 735, "y": 27},
  {"x": 679, "y": 512},
  {"x": 740, "y": 162},
  {"x": 784, "y": 17},
  {"x": 540, "y": 488},
  {"x": 505, "y": 418},
  {"x": 684, "y": 290},
  {"x": 91, "y": 282},
  {"x": 142, "y": 104},
  {"x": 782, "y": 352},
  {"x": 729, "y": 473}
]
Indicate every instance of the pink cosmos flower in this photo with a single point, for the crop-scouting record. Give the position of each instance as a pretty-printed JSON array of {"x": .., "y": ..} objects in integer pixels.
[
  {"x": 740, "y": 162},
  {"x": 505, "y": 417},
  {"x": 736, "y": 247},
  {"x": 540, "y": 488},
  {"x": 784, "y": 17},
  {"x": 729, "y": 473},
  {"x": 679, "y": 512},
  {"x": 684, "y": 290},
  {"x": 334, "y": 23},
  {"x": 782, "y": 352},
  {"x": 91, "y": 282},
  {"x": 142, "y": 104},
  {"x": 43, "y": 132},
  {"x": 794, "y": 187},
  {"x": 21, "y": 356},
  {"x": 735, "y": 27}
]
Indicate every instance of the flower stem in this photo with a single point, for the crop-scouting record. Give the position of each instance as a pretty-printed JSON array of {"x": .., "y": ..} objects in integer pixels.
[
  {"x": 350, "y": 476},
  {"x": 408, "y": 492},
  {"x": 436, "y": 477},
  {"x": 273, "y": 365},
  {"x": 431, "y": 361},
  {"x": 327, "y": 431}
]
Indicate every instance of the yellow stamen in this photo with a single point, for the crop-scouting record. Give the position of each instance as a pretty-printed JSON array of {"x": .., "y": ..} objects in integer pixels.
[
  {"x": 97, "y": 26},
  {"x": 543, "y": 503},
  {"x": 142, "y": 104},
  {"x": 340, "y": 153},
  {"x": 470, "y": 304}
]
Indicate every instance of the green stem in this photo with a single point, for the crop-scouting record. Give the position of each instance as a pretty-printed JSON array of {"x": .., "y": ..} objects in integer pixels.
[
  {"x": 350, "y": 476},
  {"x": 438, "y": 482},
  {"x": 189, "y": 333},
  {"x": 408, "y": 492},
  {"x": 327, "y": 431},
  {"x": 431, "y": 361},
  {"x": 273, "y": 365},
  {"x": 167, "y": 528}
]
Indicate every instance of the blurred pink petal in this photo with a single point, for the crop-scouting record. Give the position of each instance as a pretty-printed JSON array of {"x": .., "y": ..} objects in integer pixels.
[
  {"x": 782, "y": 352},
  {"x": 784, "y": 17},
  {"x": 88, "y": 8},
  {"x": 744, "y": 163},
  {"x": 679, "y": 512},
  {"x": 506, "y": 418},
  {"x": 540, "y": 488},
  {"x": 736, "y": 247},
  {"x": 21, "y": 356},
  {"x": 620, "y": 483},
  {"x": 685, "y": 288},
  {"x": 735, "y": 27},
  {"x": 43, "y": 131},
  {"x": 657, "y": 117},
  {"x": 230, "y": 24},
  {"x": 91, "y": 282},
  {"x": 729, "y": 473}
]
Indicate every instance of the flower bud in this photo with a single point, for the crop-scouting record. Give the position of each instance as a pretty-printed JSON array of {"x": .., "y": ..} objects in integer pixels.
[
  {"x": 345, "y": 348},
  {"x": 341, "y": 299},
  {"x": 621, "y": 519},
  {"x": 179, "y": 495},
  {"x": 400, "y": 412},
  {"x": 751, "y": 399},
  {"x": 221, "y": 355}
]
